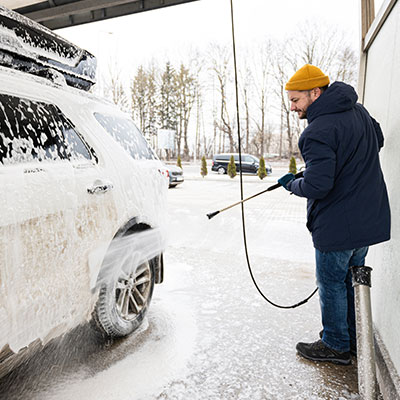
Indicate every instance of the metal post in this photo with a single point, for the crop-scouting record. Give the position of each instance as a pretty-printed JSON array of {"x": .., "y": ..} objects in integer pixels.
[{"x": 365, "y": 340}]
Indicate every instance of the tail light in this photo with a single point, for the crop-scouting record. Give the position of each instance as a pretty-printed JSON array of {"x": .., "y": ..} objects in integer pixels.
[{"x": 164, "y": 172}]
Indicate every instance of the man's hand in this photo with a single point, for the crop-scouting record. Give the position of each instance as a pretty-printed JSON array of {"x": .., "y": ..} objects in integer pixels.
[{"x": 286, "y": 179}]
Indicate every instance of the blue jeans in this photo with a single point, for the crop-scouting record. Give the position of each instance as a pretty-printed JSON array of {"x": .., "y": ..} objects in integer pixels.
[{"x": 336, "y": 295}]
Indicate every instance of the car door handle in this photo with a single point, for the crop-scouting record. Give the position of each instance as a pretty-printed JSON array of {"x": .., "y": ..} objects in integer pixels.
[{"x": 100, "y": 187}]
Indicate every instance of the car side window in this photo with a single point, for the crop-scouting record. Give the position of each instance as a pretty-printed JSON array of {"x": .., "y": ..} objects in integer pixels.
[
  {"x": 76, "y": 148},
  {"x": 35, "y": 131},
  {"x": 124, "y": 131}
]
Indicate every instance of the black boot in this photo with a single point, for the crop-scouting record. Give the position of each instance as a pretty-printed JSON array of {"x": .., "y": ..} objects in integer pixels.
[
  {"x": 318, "y": 351},
  {"x": 353, "y": 346}
]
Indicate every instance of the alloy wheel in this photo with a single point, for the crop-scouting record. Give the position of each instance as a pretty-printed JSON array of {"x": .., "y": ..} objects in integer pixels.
[{"x": 132, "y": 292}]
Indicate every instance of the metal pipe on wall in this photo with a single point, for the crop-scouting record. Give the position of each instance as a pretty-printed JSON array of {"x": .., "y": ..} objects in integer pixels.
[{"x": 365, "y": 335}]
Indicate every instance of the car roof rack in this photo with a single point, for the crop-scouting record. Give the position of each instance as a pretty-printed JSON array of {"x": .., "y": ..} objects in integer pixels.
[{"x": 28, "y": 46}]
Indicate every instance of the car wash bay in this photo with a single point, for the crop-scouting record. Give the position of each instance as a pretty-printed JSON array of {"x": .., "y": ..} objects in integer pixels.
[
  {"x": 208, "y": 334},
  {"x": 378, "y": 85}
]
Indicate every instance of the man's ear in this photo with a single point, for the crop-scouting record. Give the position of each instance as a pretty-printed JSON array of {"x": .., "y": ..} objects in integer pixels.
[{"x": 316, "y": 92}]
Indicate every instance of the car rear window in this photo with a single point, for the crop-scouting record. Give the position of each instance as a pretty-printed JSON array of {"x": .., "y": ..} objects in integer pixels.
[
  {"x": 36, "y": 131},
  {"x": 125, "y": 132}
]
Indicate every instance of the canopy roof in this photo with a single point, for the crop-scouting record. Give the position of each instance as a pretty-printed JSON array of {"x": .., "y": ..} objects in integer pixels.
[{"x": 56, "y": 14}]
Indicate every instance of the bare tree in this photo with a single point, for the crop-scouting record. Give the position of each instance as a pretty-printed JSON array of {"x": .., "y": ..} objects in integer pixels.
[
  {"x": 172, "y": 99},
  {"x": 115, "y": 88},
  {"x": 346, "y": 66},
  {"x": 316, "y": 45},
  {"x": 280, "y": 67},
  {"x": 326, "y": 48},
  {"x": 246, "y": 82},
  {"x": 199, "y": 115},
  {"x": 262, "y": 138},
  {"x": 220, "y": 58},
  {"x": 263, "y": 71},
  {"x": 196, "y": 66}
]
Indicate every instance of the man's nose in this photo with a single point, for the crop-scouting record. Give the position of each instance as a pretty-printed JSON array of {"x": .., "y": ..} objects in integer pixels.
[{"x": 292, "y": 107}]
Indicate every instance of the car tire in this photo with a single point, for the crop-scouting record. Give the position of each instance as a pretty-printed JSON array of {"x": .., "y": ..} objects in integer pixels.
[
  {"x": 221, "y": 170},
  {"x": 123, "y": 301}
]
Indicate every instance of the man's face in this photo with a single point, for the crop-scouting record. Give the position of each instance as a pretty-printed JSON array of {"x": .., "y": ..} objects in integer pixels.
[{"x": 301, "y": 100}]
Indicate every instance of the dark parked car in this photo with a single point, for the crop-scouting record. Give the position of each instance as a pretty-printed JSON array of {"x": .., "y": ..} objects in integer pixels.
[
  {"x": 175, "y": 175},
  {"x": 250, "y": 164}
]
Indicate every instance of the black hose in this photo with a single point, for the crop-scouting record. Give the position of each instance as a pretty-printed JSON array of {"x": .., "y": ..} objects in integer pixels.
[{"x": 241, "y": 181}]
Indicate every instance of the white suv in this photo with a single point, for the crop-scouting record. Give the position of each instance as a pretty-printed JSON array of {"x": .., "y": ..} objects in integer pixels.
[{"x": 82, "y": 199}]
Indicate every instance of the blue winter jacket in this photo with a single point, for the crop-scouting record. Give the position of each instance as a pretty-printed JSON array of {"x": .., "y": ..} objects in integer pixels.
[{"x": 347, "y": 205}]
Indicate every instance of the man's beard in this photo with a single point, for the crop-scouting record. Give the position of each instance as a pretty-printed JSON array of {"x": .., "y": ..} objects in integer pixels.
[{"x": 302, "y": 115}]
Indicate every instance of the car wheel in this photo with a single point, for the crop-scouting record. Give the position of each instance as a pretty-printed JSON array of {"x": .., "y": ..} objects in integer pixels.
[
  {"x": 123, "y": 302},
  {"x": 221, "y": 170}
]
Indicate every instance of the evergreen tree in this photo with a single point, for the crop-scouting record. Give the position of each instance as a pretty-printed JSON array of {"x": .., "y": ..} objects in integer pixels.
[
  {"x": 262, "y": 172},
  {"x": 203, "y": 171},
  {"x": 186, "y": 96},
  {"x": 138, "y": 96},
  {"x": 167, "y": 111},
  {"x": 292, "y": 166},
  {"x": 179, "y": 162},
  {"x": 232, "y": 167},
  {"x": 151, "y": 99}
]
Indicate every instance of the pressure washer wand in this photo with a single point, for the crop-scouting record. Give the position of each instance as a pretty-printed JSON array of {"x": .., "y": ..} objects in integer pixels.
[{"x": 213, "y": 214}]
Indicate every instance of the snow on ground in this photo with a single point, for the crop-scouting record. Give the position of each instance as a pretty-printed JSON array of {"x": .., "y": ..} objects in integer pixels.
[{"x": 209, "y": 335}]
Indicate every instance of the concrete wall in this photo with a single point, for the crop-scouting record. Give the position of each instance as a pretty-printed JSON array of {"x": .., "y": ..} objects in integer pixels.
[{"x": 382, "y": 99}]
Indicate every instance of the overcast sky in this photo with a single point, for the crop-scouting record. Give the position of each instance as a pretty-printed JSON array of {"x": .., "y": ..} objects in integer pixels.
[{"x": 170, "y": 32}]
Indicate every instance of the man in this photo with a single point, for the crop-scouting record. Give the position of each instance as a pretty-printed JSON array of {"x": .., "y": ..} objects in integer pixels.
[{"x": 347, "y": 206}]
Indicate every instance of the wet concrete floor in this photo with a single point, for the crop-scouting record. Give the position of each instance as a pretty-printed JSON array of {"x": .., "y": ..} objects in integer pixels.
[{"x": 209, "y": 334}]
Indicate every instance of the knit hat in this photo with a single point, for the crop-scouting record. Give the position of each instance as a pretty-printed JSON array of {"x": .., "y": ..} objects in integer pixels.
[{"x": 307, "y": 78}]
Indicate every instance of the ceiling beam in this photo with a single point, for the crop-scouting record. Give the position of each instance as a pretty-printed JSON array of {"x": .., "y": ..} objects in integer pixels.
[
  {"x": 85, "y": 11},
  {"x": 77, "y": 7}
]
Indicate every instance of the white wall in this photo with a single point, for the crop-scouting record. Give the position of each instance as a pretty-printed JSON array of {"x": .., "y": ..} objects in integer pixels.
[{"x": 382, "y": 99}]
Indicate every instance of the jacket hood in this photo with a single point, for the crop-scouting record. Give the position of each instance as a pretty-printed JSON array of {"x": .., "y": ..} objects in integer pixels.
[{"x": 339, "y": 97}]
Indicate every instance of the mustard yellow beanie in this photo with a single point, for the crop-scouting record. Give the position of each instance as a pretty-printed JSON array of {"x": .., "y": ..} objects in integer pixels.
[{"x": 307, "y": 78}]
